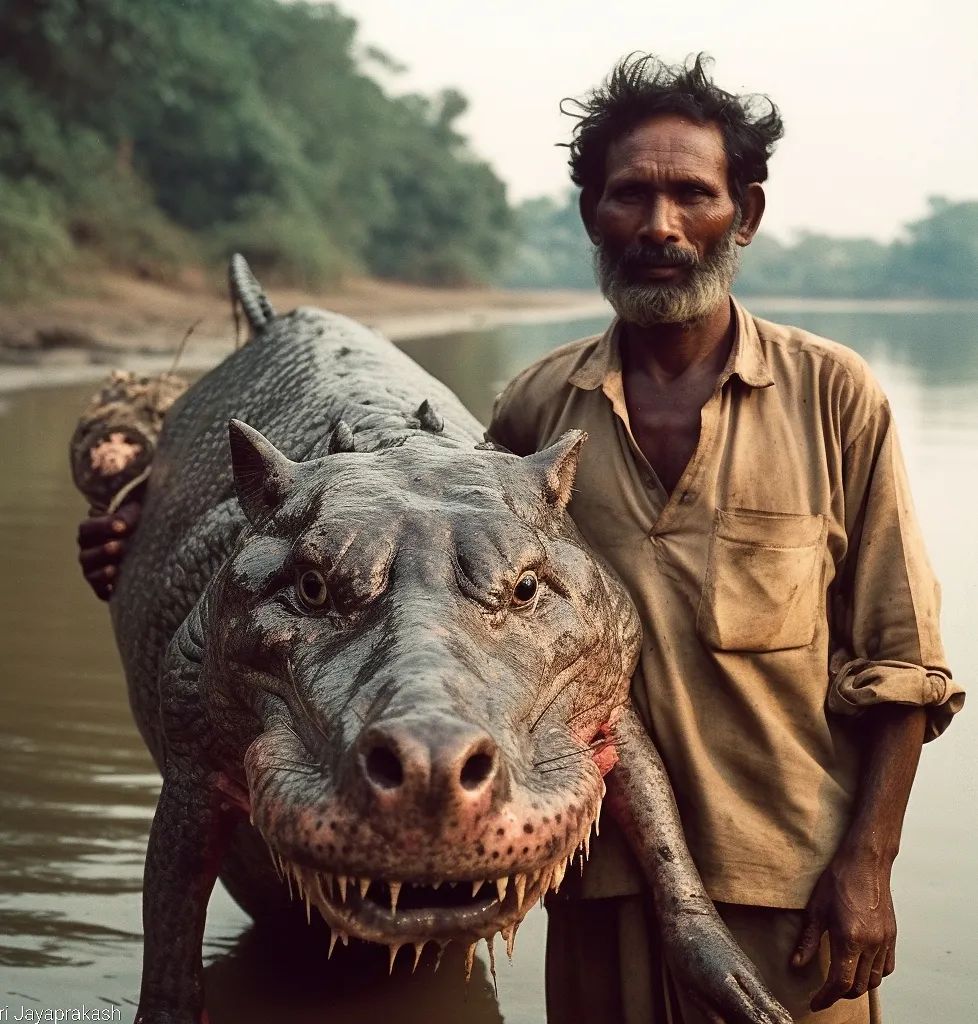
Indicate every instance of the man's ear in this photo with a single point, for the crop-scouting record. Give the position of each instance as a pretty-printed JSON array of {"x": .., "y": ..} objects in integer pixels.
[
  {"x": 751, "y": 212},
  {"x": 587, "y": 203}
]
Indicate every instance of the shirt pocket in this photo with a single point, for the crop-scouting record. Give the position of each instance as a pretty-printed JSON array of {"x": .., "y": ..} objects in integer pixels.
[{"x": 762, "y": 590}]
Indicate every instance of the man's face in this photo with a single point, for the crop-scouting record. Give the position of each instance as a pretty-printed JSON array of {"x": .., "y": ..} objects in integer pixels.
[{"x": 665, "y": 227}]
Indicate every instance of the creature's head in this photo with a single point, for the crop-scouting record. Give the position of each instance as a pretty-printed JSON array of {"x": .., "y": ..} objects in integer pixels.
[{"x": 419, "y": 665}]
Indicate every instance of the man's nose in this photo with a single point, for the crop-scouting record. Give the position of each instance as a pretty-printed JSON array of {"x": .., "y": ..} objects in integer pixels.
[{"x": 660, "y": 225}]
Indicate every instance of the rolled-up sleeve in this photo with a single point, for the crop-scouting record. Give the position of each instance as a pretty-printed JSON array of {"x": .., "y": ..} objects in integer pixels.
[{"x": 886, "y": 637}]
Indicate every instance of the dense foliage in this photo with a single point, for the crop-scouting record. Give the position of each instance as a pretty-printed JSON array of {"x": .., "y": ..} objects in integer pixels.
[
  {"x": 936, "y": 256},
  {"x": 153, "y": 133}
]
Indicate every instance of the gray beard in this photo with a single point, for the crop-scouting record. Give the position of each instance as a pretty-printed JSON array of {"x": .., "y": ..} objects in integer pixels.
[{"x": 646, "y": 304}]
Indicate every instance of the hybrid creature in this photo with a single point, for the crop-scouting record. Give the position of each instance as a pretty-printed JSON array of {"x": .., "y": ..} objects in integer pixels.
[{"x": 381, "y": 674}]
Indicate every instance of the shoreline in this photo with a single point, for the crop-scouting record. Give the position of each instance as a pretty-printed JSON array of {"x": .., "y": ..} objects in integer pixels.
[
  {"x": 143, "y": 331},
  {"x": 112, "y": 321}
]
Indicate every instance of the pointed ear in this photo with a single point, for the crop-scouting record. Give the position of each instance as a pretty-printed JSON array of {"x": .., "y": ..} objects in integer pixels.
[
  {"x": 263, "y": 476},
  {"x": 557, "y": 465}
]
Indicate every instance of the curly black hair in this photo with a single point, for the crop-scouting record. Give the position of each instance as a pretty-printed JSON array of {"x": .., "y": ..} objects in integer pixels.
[{"x": 641, "y": 86}]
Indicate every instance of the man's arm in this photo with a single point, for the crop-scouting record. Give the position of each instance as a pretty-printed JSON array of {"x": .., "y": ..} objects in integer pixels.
[
  {"x": 888, "y": 668},
  {"x": 851, "y": 900}
]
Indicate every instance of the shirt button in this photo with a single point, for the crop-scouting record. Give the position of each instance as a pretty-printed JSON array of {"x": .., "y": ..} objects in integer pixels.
[{"x": 687, "y": 497}]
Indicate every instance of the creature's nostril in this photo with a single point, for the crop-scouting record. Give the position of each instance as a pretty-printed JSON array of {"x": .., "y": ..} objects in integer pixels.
[
  {"x": 384, "y": 768},
  {"x": 476, "y": 770}
]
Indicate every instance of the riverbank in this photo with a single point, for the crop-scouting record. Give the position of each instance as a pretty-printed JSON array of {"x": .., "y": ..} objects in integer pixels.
[{"x": 113, "y": 320}]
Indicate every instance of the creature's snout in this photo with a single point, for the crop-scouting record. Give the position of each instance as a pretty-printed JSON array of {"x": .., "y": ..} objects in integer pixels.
[{"x": 430, "y": 765}]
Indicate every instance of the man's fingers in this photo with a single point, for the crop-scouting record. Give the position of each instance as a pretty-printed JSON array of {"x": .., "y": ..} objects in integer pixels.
[
  {"x": 842, "y": 971},
  {"x": 890, "y": 965},
  {"x": 808, "y": 941},
  {"x": 98, "y": 530},
  {"x": 879, "y": 965},
  {"x": 129, "y": 515},
  {"x": 92, "y": 559},
  {"x": 864, "y": 969}
]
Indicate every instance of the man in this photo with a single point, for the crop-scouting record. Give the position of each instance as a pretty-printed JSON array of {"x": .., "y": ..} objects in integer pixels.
[{"x": 745, "y": 481}]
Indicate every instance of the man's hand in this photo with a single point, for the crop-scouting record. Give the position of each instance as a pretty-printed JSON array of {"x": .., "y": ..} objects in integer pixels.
[
  {"x": 852, "y": 902},
  {"x": 102, "y": 546}
]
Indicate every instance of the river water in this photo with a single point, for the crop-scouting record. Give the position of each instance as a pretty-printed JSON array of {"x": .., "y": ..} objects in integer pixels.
[{"x": 77, "y": 790}]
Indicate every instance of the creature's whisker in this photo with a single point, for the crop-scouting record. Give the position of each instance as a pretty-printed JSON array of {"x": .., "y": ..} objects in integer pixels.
[
  {"x": 580, "y": 714},
  {"x": 302, "y": 704},
  {"x": 590, "y": 748},
  {"x": 595, "y": 750}
]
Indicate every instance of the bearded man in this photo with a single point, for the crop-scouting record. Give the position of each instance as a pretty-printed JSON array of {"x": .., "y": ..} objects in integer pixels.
[{"x": 744, "y": 479}]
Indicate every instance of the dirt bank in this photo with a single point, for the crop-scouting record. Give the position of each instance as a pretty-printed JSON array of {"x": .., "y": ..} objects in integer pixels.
[{"x": 112, "y": 320}]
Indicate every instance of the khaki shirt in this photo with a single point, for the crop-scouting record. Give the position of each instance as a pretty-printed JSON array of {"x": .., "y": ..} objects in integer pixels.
[{"x": 783, "y": 587}]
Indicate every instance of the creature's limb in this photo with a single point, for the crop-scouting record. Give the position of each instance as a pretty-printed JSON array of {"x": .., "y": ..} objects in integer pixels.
[
  {"x": 703, "y": 956},
  {"x": 186, "y": 845},
  {"x": 194, "y": 818}
]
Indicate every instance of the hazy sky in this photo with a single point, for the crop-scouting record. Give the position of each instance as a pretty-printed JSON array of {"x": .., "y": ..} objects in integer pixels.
[{"x": 880, "y": 99}]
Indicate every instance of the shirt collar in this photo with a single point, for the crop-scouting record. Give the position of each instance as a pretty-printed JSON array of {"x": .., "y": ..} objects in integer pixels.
[{"x": 746, "y": 356}]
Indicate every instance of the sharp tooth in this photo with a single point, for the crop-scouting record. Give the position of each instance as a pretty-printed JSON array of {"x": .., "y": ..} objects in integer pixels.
[
  {"x": 333, "y": 936},
  {"x": 558, "y": 875},
  {"x": 395, "y": 888},
  {"x": 469, "y": 961},
  {"x": 492, "y": 962},
  {"x": 325, "y": 885},
  {"x": 502, "y": 884},
  {"x": 476, "y": 886},
  {"x": 308, "y": 910},
  {"x": 587, "y": 845},
  {"x": 278, "y": 870},
  {"x": 507, "y": 934},
  {"x": 298, "y": 883},
  {"x": 436, "y": 884},
  {"x": 546, "y": 880},
  {"x": 288, "y": 882},
  {"x": 364, "y": 886},
  {"x": 341, "y": 882},
  {"x": 345, "y": 938},
  {"x": 441, "y": 953},
  {"x": 511, "y": 939},
  {"x": 418, "y": 950},
  {"x": 394, "y": 950},
  {"x": 519, "y": 882}
]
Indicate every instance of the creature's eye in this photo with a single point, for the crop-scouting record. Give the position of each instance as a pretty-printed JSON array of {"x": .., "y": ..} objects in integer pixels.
[
  {"x": 526, "y": 589},
  {"x": 310, "y": 585}
]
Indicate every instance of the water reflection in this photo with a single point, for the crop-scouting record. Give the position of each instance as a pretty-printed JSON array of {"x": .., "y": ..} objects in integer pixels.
[{"x": 77, "y": 789}]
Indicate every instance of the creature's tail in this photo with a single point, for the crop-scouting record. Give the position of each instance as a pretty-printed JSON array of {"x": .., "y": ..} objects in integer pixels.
[{"x": 246, "y": 292}]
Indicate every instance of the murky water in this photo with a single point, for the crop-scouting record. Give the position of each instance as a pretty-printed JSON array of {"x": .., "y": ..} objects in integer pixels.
[{"x": 77, "y": 790}]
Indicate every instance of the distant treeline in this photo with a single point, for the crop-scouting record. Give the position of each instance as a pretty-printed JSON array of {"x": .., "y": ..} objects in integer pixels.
[
  {"x": 153, "y": 134},
  {"x": 156, "y": 133},
  {"x": 936, "y": 256}
]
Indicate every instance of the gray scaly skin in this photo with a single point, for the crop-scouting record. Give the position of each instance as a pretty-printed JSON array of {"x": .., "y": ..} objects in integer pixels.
[{"x": 388, "y": 660}]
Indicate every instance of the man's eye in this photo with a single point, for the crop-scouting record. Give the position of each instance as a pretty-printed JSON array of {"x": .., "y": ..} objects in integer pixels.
[
  {"x": 310, "y": 585},
  {"x": 526, "y": 589}
]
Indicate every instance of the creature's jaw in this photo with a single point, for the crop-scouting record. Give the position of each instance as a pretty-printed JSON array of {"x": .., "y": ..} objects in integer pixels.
[{"x": 407, "y": 912}]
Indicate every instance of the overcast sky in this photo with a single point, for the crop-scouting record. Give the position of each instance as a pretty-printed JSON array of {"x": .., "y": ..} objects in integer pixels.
[{"x": 880, "y": 99}]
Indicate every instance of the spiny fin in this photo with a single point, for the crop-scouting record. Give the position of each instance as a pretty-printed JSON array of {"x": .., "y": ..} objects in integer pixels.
[
  {"x": 429, "y": 418},
  {"x": 488, "y": 445},
  {"x": 342, "y": 439},
  {"x": 246, "y": 292}
]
